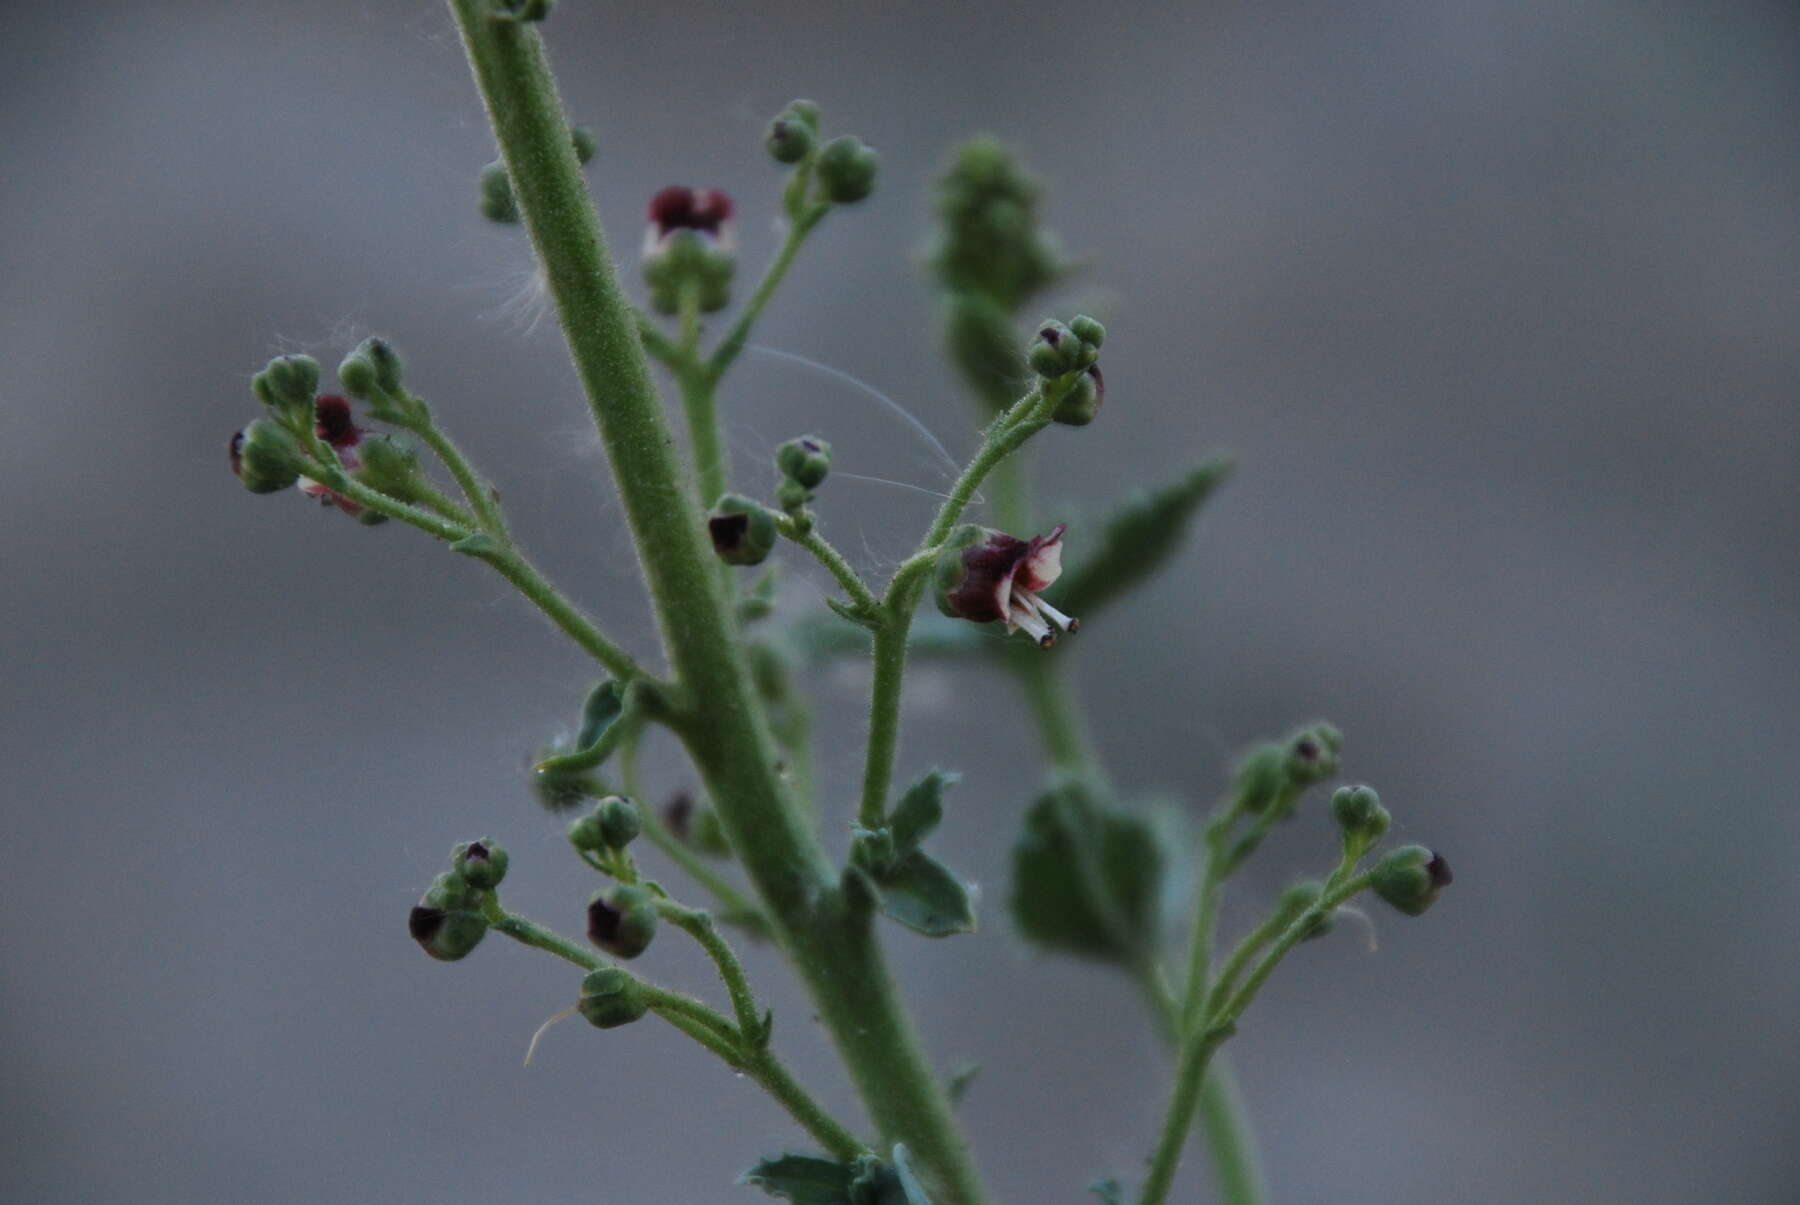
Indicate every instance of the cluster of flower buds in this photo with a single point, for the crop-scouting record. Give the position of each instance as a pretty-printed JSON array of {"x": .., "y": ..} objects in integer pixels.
[
  {"x": 268, "y": 455},
  {"x": 804, "y": 463},
  {"x": 497, "y": 202},
  {"x": 1068, "y": 356},
  {"x": 985, "y": 576},
  {"x": 611, "y": 826},
  {"x": 622, "y": 919},
  {"x": 742, "y": 530},
  {"x": 448, "y": 923},
  {"x": 844, "y": 167},
  {"x": 1272, "y": 775},
  {"x": 1359, "y": 814},
  {"x": 689, "y": 246}
]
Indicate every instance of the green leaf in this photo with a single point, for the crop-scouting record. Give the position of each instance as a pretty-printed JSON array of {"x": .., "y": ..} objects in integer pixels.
[
  {"x": 1092, "y": 881},
  {"x": 920, "y": 809},
  {"x": 922, "y": 894},
  {"x": 1138, "y": 539},
  {"x": 604, "y": 722},
  {"x": 603, "y": 705},
  {"x": 1108, "y": 1189},
  {"x": 802, "y": 1179}
]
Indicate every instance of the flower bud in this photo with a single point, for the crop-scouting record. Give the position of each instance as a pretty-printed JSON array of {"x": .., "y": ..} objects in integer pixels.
[
  {"x": 1054, "y": 351},
  {"x": 1261, "y": 777},
  {"x": 390, "y": 465},
  {"x": 791, "y": 496},
  {"x": 1410, "y": 878},
  {"x": 622, "y": 920},
  {"x": 1310, "y": 757},
  {"x": 585, "y": 144},
  {"x": 373, "y": 368},
  {"x": 482, "y": 864},
  {"x": 263, "y": 457},
  {"x": 846, "y": 170},
  {"x": 791, "y": 137},
  {"x": 288, "y": 382},
  {"x": 446, "y": 936},
  {"x": 1297, "y": 899},
  {"x": 496, "y": 193},
  {"x": 806, "y": 112},
  {"x": 1088, "y": 330},
  {"x": 1359, "y": 813},
  {"x": 1081, "y": 404},
  {"x": 743, "y": 532},
  {"x": 611, "y": 997},
  {"x": 806, "y": 460},
  {"x": 984, "y": 575},
  {"x": 619, "y": 821},
  {"x": 451, "y": 892},
  {"x": 585, "y": 833}
]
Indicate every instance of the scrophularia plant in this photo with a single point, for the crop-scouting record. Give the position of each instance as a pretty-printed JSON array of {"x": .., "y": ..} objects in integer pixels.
[{"x": 1092, "y": 876}]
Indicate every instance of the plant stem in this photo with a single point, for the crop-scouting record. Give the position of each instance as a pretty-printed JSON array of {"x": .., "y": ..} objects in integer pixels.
[
  {"x": 826, "y": 554},
  {"x": 731, "y": 901},
  {"x": 884, "y": 716},
  {"x": 739, "y": 331},
  {"x": 479, "y": 494},
  {"x": 701, "y": 1024},
  {"x": 699, "y": 404},
  {"x": 828, "y": 934}
]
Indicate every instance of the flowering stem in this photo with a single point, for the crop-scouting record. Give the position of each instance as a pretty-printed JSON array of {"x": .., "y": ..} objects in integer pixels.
[
  {"x": 505, "y": 559},
  {"x": 699, "y": 405},
  {"x": 1201, "y": 1040},
  {"x": 739, "y": 332},
  {"x": 478, "y": 492},
  {"x": 827, "y": 931},
  {"x": 702, "y": 1024},
  {"x": 699, "y": 926},
  {"x": 808, "y": 537}
]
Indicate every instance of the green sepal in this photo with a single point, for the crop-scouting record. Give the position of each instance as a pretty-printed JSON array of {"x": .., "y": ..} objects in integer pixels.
[
  {"x": 1094, "y": 881},
  {"x": 920, "y": 809},
  {"x": 1139, "y": 538},
  {"x": 802, "y": 1179},
  {"x": 853, "y": 613},
  {"x": 924, "y": 895}
]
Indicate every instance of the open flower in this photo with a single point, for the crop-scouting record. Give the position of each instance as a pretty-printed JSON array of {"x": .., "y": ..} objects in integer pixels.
[
  {"x": 985, "y": 575},
  {"x": 336, "y": 426},
  {"x": 689, "y": 245}
]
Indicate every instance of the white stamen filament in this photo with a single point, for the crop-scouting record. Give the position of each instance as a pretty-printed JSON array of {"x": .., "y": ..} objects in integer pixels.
[
  {"x": 1068, "y": 622},
  {"x": 1024, "y": 617}
]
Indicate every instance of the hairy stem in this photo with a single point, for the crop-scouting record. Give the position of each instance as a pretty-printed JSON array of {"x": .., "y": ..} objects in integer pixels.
[
  {"x": 826, "y": 933},
  {"x": 739, "y": 332}
]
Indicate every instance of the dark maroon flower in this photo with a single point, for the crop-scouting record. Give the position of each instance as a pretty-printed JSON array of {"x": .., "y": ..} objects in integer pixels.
[
  {"x": 707, "y": 211},
  {"x": 986, "y": 575}
]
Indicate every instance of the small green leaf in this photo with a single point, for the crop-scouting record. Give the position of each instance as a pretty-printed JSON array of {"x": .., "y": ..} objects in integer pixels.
[
  {"x": 802, "y": 1179},
  {"x": 1108, "y": 1189},
  {"x": 961, "y": 1078},
  {"x": 604, "y": 721},
  {"x": 1090, "y": 880},
  {"x": 922, "y": 894},
  {"x": 603, "y": 705},
  {"x": 1138, "y": 539},
  {"x": 477, "y": 544},
  {"x": 854, "y": 614},
  {"x": 920, "y": 809}
]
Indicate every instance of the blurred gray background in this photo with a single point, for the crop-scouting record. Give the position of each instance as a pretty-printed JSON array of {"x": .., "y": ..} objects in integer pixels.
[{"x": 1495, "y": 301}]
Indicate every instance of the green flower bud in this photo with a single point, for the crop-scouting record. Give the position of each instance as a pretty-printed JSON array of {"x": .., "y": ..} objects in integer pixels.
[
  {"x": 806, "y": 112},
  {"x": 288, "y": 383},
  {"x": 611, "y": 997},
  {"x": 1359, "y": 813},
  {"x": 482, "y": 864},
  {"x": 791, "y": 496},
  {"x": 1088, "y": 330},
  {"x": 1261, "y": 777},
  {"x": 264, "y": 458},
  {"x": 619, "y": 821},
  {"x": 446, "y": 936},
  {"x": 1297, "y": 899},
  {"x": 451, "y": 892},
  {"x": 373, "y": 368},
  {"x": 1310, "y": 757},
  {"x": 743, "y": 531},
  {"x": 586, "y": 834},
  {"x": 806, "y": 460},
  {"x": 496, "y": 193},
  {"x": 390, "y": 465},
  {"x": 791, "y": 137},
  {"x": 846, "y": 170},
  {"x": 1410, "y": 878},
  {"x": 1081, "y": 404},
  {"x": 622, "y": 920},
  {"x": 585, "y": 144},
  {"x": 1054, "y": 351}
]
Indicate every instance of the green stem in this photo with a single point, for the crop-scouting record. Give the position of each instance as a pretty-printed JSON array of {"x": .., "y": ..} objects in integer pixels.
[
  {"x": 808, "y": 537},
  {"x": 826, "y": 930},
  {"x": 739, "y": 332},
  {"x": 699, "y": 926},
  {"x": 731, "y": 901},
  {"x": 699, "y": 405},
  {"x": 434, "y": 499},
  {"x": 478, "y": 492},
  {"x": 884, "y": 716},
  {"x": 1204, "y": 1039}
]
